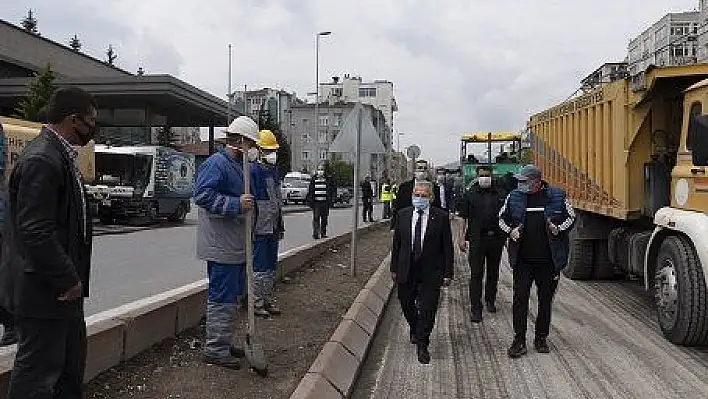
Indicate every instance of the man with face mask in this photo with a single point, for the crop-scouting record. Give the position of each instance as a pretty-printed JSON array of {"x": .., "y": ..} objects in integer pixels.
[
  {"x": 405, "y": 193},
  {"x": 269, "y": 227},
  {"x": 537, "y": 218},
  {"x": 219, "y": 193},
  {"x": 483, "y": 239},
  {"x": 48, "y": 238},
  {"x": 320, "y": 199},
  {"x": 367, "y": 199},
  {"x": 445, "y": 191},
  {"x": 422, "y": 261}
]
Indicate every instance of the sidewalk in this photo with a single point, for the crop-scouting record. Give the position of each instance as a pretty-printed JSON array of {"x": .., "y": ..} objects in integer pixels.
[{"x": 604, "y": 344}]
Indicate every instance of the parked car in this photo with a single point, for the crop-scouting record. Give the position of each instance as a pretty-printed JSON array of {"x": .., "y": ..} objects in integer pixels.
[
  {"x": 343, "y": 196},
  {"x": 294, "y": 188}
]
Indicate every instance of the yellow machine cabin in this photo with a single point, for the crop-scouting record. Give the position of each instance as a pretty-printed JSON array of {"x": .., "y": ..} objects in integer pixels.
[
  {"x": 17, "y": 133},
  {"x": 629, "y": 156}
]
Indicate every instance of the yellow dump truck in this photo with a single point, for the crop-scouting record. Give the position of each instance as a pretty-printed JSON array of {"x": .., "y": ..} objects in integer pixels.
[
  {"x": 633, "y": 156},
  {"x": 16, "y": 133}
]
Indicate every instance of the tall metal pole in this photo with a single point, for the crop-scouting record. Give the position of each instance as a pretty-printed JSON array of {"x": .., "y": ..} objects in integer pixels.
[
  {"x": 316, "y": 119},
  {"x": 355, "y": 215},
  {"x": 229, "y": 97}
]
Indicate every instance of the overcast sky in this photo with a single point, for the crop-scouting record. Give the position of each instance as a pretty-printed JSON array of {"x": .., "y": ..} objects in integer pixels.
[{"x": 457, "y": 66}]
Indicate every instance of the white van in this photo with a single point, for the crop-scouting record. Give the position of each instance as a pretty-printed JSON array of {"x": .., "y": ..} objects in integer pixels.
[{"x": 294, "y": 187}]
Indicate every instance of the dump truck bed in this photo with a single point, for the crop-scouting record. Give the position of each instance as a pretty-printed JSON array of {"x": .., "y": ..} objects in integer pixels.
[{"x": 595, "y": 146}]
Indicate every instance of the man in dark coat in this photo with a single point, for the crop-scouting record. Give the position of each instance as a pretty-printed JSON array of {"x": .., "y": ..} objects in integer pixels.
[{"x": 48, "y": 253}]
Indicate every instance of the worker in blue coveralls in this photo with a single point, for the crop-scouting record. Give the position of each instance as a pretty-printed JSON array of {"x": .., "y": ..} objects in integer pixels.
[
  {"x": 269, "y": 227},
  {"x": 221, "y": 236}
]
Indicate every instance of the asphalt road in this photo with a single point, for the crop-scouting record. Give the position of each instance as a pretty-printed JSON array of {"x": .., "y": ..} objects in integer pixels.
[
  {"x": 605, "y": 343},
  {"x": 131, "y": 266}
]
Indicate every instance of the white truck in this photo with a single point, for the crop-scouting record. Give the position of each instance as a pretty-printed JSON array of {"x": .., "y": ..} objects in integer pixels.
[{"x": 143, "y": 182}]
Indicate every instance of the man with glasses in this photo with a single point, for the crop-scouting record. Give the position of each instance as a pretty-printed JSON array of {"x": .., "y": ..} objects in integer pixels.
[
  {"x": 48, "y": 240},
  {"x": 422, "y": 260}
]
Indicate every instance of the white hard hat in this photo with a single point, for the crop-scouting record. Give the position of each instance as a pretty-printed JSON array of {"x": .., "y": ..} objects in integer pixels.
[{"x": 243, "y": 126}]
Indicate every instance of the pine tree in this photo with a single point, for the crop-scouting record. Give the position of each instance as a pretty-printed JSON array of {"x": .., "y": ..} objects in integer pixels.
[
  {"x": 284, "y": 152},
  {"x": 75, "y": 44},
  {"x": 39, "y": 90},
  {"x": 111, "y": 55},
  {"x": 30, "y": 23}
]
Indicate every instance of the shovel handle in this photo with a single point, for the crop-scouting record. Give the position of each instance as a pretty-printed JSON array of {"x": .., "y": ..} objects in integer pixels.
[{"x": 249, "y": 246}]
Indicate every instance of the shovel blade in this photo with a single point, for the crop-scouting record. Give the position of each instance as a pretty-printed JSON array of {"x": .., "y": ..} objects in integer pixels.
[{"x": 255, "y": 356}]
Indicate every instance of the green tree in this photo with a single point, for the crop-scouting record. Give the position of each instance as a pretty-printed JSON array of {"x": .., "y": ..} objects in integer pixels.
[
  {"x": 39, "y": 90},
  {"x": 29, "y": 23},
  {"x": 111, "y": 54},
  {"x": 166, "y": 137},
  {"x": 342, "y": 173},
  {"x": 75, "y": 43},
  {"x": 265, "y": 122}
]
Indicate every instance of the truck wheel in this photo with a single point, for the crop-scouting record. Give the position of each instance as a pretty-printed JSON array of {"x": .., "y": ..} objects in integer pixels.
[
  {"x": 580, "y": 260},
  {"x": 152, "y": 213},
  {"x": 179, "y": 215},
  {"x": 603, "y": 268},
  {"x": 681, "y": 293}
]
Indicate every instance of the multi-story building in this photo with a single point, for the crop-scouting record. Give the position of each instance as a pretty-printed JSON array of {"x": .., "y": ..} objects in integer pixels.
[
  {"x": 310, "y": 144},
  {"x": 703, "y": 31},
  {"x": 378, "y": 93},
  {"x": 673, "y": 40},
  {"x": 607, "y": 73},
  {"x": 276, "y": 103}
]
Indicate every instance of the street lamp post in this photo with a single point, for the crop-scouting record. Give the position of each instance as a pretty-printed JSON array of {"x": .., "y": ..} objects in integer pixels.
[{"x": 317, "y": 81}]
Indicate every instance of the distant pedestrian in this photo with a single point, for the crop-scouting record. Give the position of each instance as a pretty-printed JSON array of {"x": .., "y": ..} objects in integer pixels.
[
  {"x": 445, "y": 191},
  {"x": 537, "y": 218},
  {"x": 48, "y": 240},
  {"x": 320, "y": 200},
  {"x": 219, "y": 193},
  {"x": 405, "y": 192},
  {"x": 269, "y": 227},
  {"x": 422, "y": 261},
  {"x": 367, "y": 199},
  {"x": 482, "y": 239},
  {"x": 386, "y": 198}
]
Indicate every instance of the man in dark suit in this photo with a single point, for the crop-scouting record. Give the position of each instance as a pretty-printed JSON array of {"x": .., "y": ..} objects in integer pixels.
[
  {"x": 405, "y": 193},
  {"x": 422, "y": 260},
  {"x": 48, "y": 253}
]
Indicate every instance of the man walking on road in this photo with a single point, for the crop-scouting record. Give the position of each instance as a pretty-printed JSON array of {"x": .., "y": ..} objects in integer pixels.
[
  {"x": 219, "y": 193},
  {"x": 405, "y": 193},
  {"x": 422, "y": 260},
  {"x": 367, "y": 198},
  {"x": 319, "y": 198},
  {"x": 480, "y": 207},
  {"x": 48, "y": 246},
  {"x": 537, "y": 219},
  {"x": 269, "y": 229}
]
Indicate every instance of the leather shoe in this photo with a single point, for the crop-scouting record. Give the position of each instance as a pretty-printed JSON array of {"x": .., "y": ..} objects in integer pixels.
[
  {"x": 476, "y": 316},
  {"x": 491, "y": 307},
  {"x": 414, "y": 339},
  {"x": 541, "y": 345},
  {"x": 517, "y": 349},
  {"x": 423, "y": 355}
]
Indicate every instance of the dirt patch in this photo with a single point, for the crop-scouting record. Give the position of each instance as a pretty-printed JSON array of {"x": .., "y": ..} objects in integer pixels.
[{"x": 313, "y": 303}]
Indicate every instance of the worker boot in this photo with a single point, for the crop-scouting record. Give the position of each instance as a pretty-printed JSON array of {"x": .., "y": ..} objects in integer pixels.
[
  {"x": 220, "y": 327},
  {"x": 259, "y": 308},
  {"x": 270, "y": 302}
]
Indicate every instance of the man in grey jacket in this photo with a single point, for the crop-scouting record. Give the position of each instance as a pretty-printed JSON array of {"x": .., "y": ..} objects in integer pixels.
[{"x": 221, "y": 237}]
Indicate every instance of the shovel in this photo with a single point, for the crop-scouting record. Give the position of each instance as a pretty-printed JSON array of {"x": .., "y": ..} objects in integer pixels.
[{"x": 254, "y": 351}]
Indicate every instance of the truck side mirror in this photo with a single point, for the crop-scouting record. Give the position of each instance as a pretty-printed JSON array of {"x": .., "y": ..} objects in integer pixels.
[{"x": 698, "y": 137}]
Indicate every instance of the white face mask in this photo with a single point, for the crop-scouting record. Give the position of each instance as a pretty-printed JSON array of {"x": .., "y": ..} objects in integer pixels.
[
  {"x": 420, "y": 175},
  {"x": 441, "y": 179},
  {"x": 271, "y": 158},
  {"x": 253, "y": 154},
  {"x": 320, "y": 172},
  {"x": 484, "y": 181}
]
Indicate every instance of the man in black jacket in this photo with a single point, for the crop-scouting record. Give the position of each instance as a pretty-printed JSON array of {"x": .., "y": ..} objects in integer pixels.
[
  {"x": 48, "y": 253},
  {"x": 480, "y": 207},
  {"x": 422, "y": 260},
  {"x": 367, "y": 199},
  {"x": 319, "y": 198},
  {"x": 405, "y": 193}
]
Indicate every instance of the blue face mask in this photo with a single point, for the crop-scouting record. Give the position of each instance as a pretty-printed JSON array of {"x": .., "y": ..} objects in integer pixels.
[{"x": 421, "y": 203}]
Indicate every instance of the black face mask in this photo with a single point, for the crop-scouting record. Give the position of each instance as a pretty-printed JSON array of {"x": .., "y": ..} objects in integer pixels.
[{"x": 85, "y": 138}]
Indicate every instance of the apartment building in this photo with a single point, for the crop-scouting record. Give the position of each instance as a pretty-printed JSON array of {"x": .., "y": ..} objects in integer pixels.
[{"x": 378, "y": 94}]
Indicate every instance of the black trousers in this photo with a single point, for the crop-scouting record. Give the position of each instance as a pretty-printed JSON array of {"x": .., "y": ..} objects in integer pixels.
[
  {"x": 320, "y": 215},
  {"x": 50, "y": 360},
  {"x": 386, "y": 210},
  {"x": 368, "y": 209},
  {"x": 485, "y": 253},
  {"x": 546, "y": 280},
  {"x": 420, "y": 318}
]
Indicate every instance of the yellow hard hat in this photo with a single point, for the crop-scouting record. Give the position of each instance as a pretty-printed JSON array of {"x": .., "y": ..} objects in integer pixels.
[{"x": 267, "y": 140}]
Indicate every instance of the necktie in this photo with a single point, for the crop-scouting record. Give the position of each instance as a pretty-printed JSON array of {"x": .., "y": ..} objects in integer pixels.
[{"x": 418, "y": 242}]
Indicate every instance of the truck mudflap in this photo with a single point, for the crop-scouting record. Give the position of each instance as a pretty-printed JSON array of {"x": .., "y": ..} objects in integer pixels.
[{"x": 675, "y": 267}]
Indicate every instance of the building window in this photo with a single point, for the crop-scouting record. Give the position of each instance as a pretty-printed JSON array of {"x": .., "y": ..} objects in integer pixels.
[
  {"x": 337, "y": 120},
  {"x": 305, "y": 137},
  {"x": 337, "y": 92},
  {"x": 305, "y": 155},
  {"x": 367, "y": 92},
  {"x": 324, "y": 120},
  {"x": 323, "y": 155},
  {"x": 322, "y": 137}
]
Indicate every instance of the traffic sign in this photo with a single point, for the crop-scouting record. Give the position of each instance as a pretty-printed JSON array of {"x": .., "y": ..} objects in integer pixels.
[{"x": 413, "y": 151}]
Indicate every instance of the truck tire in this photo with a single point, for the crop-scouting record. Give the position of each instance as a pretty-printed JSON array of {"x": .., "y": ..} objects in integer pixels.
[
  {"x": 580, "y": 260},
  {"x": 179, "y": 215},
  {"x": 681, "y": 295},
  {"x": 603, "y": 269}
]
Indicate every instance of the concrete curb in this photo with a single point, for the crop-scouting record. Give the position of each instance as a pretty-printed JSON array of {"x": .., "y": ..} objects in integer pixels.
[
  {"x": 118, "y": 334},
  {"x": 336, "y": 368}
]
